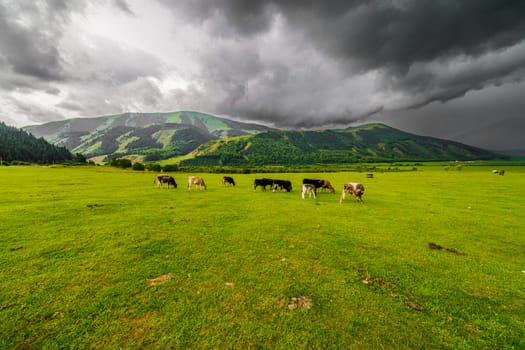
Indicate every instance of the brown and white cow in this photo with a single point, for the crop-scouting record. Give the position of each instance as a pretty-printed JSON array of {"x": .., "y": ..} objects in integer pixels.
[
  {"x": 308, "y": 189},
  {"x": 197, "y": 181},
  {"x": 163, "y": 178},
  {"x": 354, "y": 189}
]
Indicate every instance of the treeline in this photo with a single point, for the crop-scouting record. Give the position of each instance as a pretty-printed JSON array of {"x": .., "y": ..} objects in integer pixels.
[
  {"x": 125, "y": 163},
  {"x": 19, "y": 146}
]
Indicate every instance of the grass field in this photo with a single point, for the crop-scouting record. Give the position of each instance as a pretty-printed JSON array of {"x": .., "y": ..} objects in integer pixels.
[{"x": 94, "y": 257}]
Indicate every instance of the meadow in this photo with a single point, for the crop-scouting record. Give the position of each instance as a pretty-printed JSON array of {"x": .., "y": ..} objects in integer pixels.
[{"x": 97, "y": 257}]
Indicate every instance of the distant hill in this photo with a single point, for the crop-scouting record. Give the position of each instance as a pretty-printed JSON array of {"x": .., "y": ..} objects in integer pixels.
[
  {"x": 209, "y": 140},
  {"x": 368, "y": 143},
  {"x": 16, "y": 144},
  {"x": 152, "y": 135}
]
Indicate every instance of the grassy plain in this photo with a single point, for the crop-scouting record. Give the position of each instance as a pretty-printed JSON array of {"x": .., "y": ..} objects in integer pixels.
[{"x": 94, "y": 257}]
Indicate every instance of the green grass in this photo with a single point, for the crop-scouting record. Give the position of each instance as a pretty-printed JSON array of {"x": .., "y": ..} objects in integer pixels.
[{"x": 79, "y": 247}]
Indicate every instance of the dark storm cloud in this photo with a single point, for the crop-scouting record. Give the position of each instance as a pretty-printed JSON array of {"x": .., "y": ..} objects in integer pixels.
[
  {"x": 380, "y": 34},
  {"x": 423, "y": 50}
]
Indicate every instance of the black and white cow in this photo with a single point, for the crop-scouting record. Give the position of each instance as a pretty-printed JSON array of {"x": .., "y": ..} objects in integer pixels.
[
  {"x": 283, "y": 185},
  {"x": 163, "y": 178},
  {"x": 228, "y": 180}
]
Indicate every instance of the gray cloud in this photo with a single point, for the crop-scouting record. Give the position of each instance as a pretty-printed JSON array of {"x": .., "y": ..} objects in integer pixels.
[
  {"x": 378, "y": 34},
  {"x": 30, "y": 44},
  {"x": 423, "y": 50},
  {"x": 90, "y": 74},
  {"x": 27, "y": 49},
  {"x": 294, "y": 63},
  {"x": 123, "y": 6}
]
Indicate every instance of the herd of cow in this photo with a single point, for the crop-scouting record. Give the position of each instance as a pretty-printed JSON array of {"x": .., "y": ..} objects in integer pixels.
[{"x": 309, "y": 186}]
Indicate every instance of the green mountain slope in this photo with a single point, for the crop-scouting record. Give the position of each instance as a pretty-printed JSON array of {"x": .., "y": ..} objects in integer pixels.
[
  {"x": 369, "y": 143},
  {"x": 16, "y": 144},
  {"x": 153, "y": 135}
]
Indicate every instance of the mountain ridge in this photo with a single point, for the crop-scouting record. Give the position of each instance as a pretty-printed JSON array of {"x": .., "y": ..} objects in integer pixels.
[
  {"x": 367, "y": 143},
  {"x": 153, "y": 135},
  {"x": 209, "y": 140}
]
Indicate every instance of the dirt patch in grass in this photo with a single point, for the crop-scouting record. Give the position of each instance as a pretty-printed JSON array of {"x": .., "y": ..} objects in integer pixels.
[
  {"x": 383, "y": 284},
  {"x": 159, "y": 280},
  {"x": 438, "y": 247},
  {"x": 300, "y": 302},
  {"x": 414, "y": 305}
]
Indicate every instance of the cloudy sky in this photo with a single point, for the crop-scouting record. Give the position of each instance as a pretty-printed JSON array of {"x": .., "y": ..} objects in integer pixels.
[{"x": 447, "y": 68}]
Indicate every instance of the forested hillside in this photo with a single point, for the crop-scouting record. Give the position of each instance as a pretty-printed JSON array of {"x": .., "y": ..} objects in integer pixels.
[
  {"x": 368, "y": 143},
  {"x": 16, "y": 144}
]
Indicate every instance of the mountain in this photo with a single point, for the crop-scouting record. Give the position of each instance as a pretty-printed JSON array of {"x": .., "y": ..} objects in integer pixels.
[
  {"x": 210, "y": 140},
  {"x": 368, "y": 143},
  {"x": 152, "y": 135},
  {"x": 16, "y": 144}
]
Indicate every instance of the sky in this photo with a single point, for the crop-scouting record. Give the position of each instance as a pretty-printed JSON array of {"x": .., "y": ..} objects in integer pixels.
[{"x": 449, "y": 69}]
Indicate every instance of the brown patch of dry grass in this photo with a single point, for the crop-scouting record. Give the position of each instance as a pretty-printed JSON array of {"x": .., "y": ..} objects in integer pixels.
[{"x": 159, "y": 280}]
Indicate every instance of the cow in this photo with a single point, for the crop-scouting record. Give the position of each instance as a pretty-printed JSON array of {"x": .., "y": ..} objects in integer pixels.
[
  {"x": 320, "y": 183},
  {"x": 228, "y": 180},
  {"x": 163, "y": 178},
  {"x": 262, "y": 182},
  {"x": 328, "y": 185},
  {"x": 308, "y": 189},
  {"x": 353, "y": 188},
  {"x": 197, "y": 181},
  {"x": 284, "y": 185}
]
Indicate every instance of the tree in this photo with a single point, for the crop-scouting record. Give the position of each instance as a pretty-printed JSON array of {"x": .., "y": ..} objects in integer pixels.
[{"x": 138, "y": 166}]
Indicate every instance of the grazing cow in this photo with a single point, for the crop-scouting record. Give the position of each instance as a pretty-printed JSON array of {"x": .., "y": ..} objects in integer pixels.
[
  {"x": 282, "y": 184},
  {"x": 197, "y": 181},
  {"x": 320, "y": 183},
  {"x": 228, "y": 180},
  {"x": 328, "y": 185},
  {"x": 309, "y": 189},
  {"x": 163, "y": 178},
  {"x": 353, "y": 188},
  {"x": 263, "y": 183}
]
